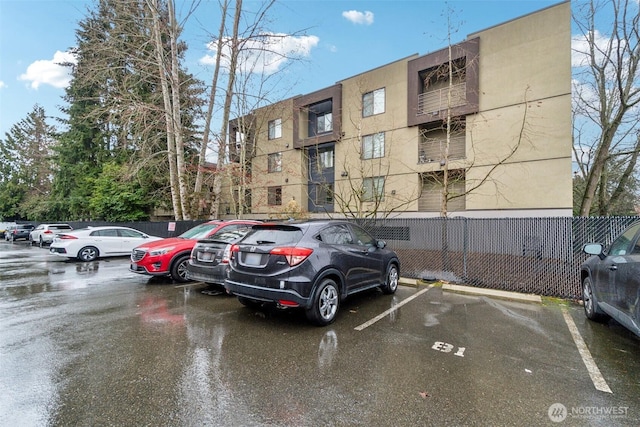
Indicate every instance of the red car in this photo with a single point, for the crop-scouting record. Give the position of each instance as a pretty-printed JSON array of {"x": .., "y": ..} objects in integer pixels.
[{"x": 169, "y": 257}]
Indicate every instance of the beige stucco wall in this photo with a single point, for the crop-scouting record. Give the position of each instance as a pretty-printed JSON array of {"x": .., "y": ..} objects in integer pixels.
[
  {"x": 523, "y": 63},
  {"x": 400, "y": 141}
]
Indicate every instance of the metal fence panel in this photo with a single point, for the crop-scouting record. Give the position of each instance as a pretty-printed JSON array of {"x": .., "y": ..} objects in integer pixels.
[{"x": 532, "y": 255}]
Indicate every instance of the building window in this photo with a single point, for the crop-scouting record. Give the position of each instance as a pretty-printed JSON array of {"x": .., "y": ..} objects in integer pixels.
[
  {"x": 274, "y": 195},
  {"x": 320, "y": 118},
  {"x": 275, "y": 162},
  {"x": 324, "y": 194},
  {"x": 373, "y": 146},
  {"x": 373, "y": 189},
  {"x": 275, "y": 129},
  {"x": 432, "y": 187},
  {"x": 325, "y": 158},
  {"x": 373, "y": 103},
  {"x": 325, "y": 123}
]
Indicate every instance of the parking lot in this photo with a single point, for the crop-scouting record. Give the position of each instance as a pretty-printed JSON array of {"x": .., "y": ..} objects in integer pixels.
[{"x": 94, "y": 344}]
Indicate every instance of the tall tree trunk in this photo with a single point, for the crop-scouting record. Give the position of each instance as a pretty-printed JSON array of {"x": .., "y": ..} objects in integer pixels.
[
  {"x": 235, "y": 48},
  {"x": 176, "y": 117},
  {"x": 166, "y": 97},
  {"x": 211, "y": 106}
]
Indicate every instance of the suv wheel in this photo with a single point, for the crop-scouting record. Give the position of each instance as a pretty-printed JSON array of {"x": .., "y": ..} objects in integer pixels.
[
  {"x": 591, "y": 309},
  {"x": 391, "y": 283},
  {"x": 325, "y": 304},
  {"x": 179, "y": 269}
]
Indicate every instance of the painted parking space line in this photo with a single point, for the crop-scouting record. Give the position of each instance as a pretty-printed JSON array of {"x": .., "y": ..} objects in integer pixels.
[
  {"x": 597, "y": 378},
  {"x": 391, "y": 310}
]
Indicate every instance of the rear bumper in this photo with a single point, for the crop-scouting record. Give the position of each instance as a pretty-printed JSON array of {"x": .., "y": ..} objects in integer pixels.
[
  {"x": 19, "y": 236},
  {"x": 207, "y": 274},
  {"x": 265, "y": 294}
]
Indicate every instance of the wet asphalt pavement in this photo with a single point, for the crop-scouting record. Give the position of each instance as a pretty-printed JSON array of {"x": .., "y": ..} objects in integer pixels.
[{"x": 91, "y": 344}]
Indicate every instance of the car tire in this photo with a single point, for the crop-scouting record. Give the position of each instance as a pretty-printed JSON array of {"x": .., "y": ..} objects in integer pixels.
[
  {"x": 591, "y": 309},
  {"x": 179, "y": 269},
  {"x": 391, "y": 280},
  {"x": 88, "y": 254},
  {"x": 325, "y": 303}
]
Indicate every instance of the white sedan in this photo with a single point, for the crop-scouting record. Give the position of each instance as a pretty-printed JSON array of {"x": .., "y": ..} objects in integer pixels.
[{"x": 88, "y": 244}]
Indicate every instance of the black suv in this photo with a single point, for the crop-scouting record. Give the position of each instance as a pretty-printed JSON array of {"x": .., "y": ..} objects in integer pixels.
[
  {"x": 20, "y": 231},
  {"x": 309, "y": 264}
]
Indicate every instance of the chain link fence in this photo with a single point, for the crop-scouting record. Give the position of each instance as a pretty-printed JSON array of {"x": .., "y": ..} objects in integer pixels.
[{"x": 531, "y": 255}]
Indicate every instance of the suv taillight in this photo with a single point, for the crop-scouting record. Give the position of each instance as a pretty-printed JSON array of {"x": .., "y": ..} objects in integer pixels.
[{"x": 294, "y": 255}]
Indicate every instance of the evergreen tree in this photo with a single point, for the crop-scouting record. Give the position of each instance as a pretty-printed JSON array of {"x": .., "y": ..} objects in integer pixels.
[
  {"x": 26, "y": 168},
  {"x": 115, "y": 108}
]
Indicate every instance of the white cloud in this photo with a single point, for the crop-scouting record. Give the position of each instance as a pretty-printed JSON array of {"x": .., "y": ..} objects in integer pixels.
[
  {"x": 357, "y": 17},
  {"x": 580, "y": 47},
  {"x": 266, "y": 54},
  {"x": 2, "y": 85},
  {"x": 49, "y": 71}
]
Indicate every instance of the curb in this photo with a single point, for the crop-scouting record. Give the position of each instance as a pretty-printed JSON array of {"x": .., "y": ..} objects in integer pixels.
[
  {"x": 477, "y": 291},
  {"x": 493, "y": 292}
]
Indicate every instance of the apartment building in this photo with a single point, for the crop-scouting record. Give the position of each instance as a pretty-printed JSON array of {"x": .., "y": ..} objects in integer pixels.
[{"x": 481, "y": 128}]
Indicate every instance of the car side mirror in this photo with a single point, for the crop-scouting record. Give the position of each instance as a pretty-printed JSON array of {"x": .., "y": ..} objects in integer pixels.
[
  {"x": 381, "y": 244},
  {"x": 594, "y": 249}
]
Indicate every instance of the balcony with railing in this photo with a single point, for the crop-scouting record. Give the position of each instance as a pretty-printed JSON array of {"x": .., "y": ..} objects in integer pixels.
[
  {"x": 434, "y": 101},
  {"x": 433, "y": 149}
]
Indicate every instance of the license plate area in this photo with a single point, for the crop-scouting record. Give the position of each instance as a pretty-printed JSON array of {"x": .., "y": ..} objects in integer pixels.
[
  {"x": 252, "y": 259},
  {"x": 205, "y": 256}
]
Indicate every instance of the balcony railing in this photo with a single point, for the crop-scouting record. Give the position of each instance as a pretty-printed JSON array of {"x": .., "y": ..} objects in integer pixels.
[
  {"x": 434, "y": 101},
  {"x": 432, "y": 149}
]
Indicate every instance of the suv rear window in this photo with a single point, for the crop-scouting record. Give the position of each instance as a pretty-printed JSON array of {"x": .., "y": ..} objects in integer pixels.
[
  {"x": 229, "y": 235},
  {"x": 279, "y": 235},
  {"x": 60, "y": 227}
]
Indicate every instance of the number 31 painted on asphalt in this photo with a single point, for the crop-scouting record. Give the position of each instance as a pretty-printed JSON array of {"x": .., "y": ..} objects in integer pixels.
[{"x": 447, "y": 348}]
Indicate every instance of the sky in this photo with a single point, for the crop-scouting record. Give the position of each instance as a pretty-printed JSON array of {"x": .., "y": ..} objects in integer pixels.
[{"x": 336, "y": 39}]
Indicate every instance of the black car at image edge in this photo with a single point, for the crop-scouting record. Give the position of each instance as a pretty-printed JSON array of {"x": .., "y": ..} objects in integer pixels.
[
  {"x": 309, "y": 264},
  {"x": 611, "y": 280}
]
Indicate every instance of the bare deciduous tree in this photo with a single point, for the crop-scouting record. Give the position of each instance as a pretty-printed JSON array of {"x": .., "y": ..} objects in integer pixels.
[{"x": 606, "y": 97}]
